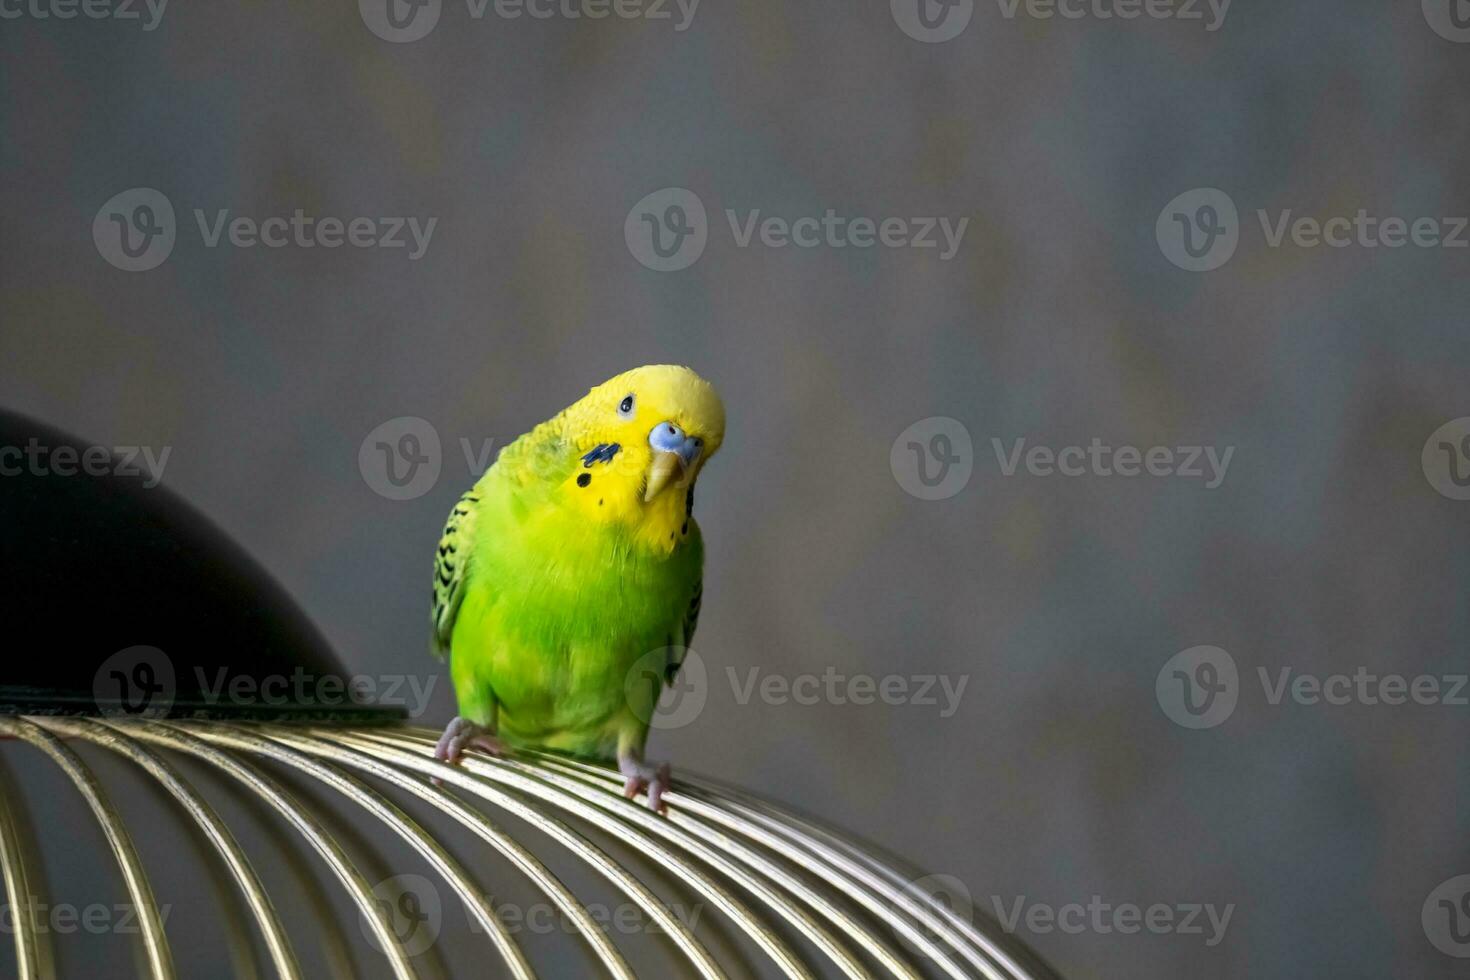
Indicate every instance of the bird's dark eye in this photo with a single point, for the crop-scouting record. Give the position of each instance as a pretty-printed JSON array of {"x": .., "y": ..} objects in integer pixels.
[{"x": 625, "y": 409}]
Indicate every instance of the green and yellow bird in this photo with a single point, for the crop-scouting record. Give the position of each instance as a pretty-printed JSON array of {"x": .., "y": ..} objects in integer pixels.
[{"x": 568, "y": 580}]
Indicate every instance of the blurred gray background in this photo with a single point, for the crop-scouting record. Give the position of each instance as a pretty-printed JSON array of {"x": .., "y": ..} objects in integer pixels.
[{"x": 1060, "y": 319}]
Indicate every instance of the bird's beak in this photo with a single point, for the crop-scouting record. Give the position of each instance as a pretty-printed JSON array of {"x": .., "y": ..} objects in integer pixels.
[
  {"x": 662, "y": 471},
  {"x": 674, "y": 454}
]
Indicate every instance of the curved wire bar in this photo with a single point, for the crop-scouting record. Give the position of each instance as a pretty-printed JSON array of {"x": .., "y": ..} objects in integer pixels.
[
  {"x": 745, "y": 872},
  {"x": 635, "y": 818},
  {"x": 398, "y": 821},
  {"x": 701, "y": 806},
  {"x": 114, "y": 738},
  {"x": 791, "y": 865},
  {"x": 884, "y": 870},
  {"x": 159, "y": 960},
  {"x": 704, "y": 817},
  {"x": 481, "y": 826},
  {"x": 33, "y": 959},
  {"x": 595, "y": 857},
  {"x": 174, "y": 737},
  {"x": 923, "y": 923}
]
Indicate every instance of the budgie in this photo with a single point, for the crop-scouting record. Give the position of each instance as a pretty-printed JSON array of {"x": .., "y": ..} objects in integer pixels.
[{"x": 568, "y": 580}]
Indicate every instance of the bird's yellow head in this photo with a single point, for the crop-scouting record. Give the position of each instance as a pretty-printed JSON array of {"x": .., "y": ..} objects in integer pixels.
[{"x": 643, "y": 438}]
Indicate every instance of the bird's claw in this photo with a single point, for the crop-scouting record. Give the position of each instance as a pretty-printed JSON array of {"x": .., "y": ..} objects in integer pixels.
[
  {"x": 640, "y": 776},
  {"x": 462, "y": 734}
]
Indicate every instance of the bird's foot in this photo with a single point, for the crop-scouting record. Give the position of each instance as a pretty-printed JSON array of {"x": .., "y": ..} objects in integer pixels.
[
  {"x": 640, "y": 776},
  {"x": 462, "y": 734}
]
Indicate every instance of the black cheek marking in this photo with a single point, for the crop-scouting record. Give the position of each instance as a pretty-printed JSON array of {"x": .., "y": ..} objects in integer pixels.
[
  {"x": 685, "y": 528},
  {"x": 599, "y": 501},
  {"x": 584, "y": 479}
]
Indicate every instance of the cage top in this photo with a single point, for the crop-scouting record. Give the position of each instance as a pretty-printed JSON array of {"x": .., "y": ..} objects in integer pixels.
[{"x": 120, "y": 598}]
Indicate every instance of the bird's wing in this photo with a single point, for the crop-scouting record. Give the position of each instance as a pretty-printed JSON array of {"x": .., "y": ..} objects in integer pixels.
[
  {"x": 691, "y": 621},
  {"x": 451, "y": 569}
]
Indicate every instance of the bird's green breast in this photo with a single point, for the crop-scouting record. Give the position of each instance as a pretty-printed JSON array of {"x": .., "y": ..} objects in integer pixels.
[{"x": 558, "y": 610}]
